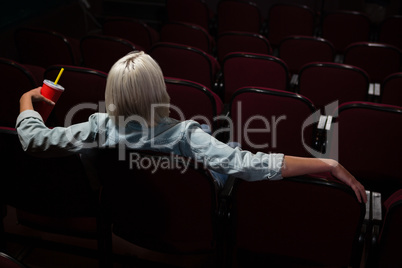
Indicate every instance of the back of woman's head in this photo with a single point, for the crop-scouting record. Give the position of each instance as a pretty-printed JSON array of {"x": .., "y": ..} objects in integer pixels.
[{"x": 136, "y": 86}]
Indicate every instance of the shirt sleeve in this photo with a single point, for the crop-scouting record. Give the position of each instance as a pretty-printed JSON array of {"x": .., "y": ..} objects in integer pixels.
[
  {"x": 59, "y": 141},
  {"x": 221, "y": 158}
]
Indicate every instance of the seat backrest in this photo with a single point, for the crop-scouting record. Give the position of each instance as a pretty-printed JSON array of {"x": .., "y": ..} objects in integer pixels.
[
  {"x": 391, "y": 233},
  {"x": 7, "y": 261},
  {"x": 388, "y": 32},
  {"x": 52, "y": 194},
  {"x": 135, "y": 31},
  {"x": 255, "y": 70},
  {"x": 43, "y": 47},
  {"x": 193, "y": 100},
  {"x": 271, "y": 120},
  {"x": 303, "y": 221},
  {"x": 185, "y": 62},
  {"x": 325, "y": 82},
  {"x": 192, "y": 11},
  {"x": 22, "y": 81},
  {"x": 37, "y": 72},
  {"x": 159, "y": 201},
  {"x": 84, "y": 89},
  {"x": 285, "y": 20},
  {"x": 228, "y": 42},
  {"x": 363, "y": 134},
  {"x": 342, "y": 28},
  {"x": 101, "y": 52},
  {"x": 378, "y": 60},
  {"x": 187, "y": 34},
  {"x": 297, "y": 51},
  {"x": 238, "y": 15},
  {"x": 391, "y": 89}
]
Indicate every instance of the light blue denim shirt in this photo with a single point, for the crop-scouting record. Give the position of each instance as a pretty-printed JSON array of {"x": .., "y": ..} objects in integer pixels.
[{"x": 184, "y": 138}]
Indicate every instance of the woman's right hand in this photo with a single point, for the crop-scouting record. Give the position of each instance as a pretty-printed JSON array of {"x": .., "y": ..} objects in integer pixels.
[
  {"x": 343, "y": 175},
  {"x": 31, "y": 96}
]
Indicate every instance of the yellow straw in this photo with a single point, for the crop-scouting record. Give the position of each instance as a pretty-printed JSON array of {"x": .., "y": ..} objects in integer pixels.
[{"x": 58, "y": 77}]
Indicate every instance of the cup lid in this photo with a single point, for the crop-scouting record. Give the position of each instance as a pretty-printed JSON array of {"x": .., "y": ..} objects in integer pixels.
[{"x": 53, "y": 85}]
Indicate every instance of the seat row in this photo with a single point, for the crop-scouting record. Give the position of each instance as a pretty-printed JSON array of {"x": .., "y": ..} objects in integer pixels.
[
  {"x": 259, "y": 118},
  {"x": 341, "y": 27},
  {"x": 295, "y": 50},
  {"x": 377, "y": 59},
  {"x": 309, "y": 220},
  {"x": 322, "y": 83},
  {"x": 176, "y": 60}
]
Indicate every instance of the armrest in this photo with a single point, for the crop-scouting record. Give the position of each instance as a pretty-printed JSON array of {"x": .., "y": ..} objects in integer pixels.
[
  {"x": 377, "y": 207},
  {"x": 323, "y": 126},
  {"x": 223, "y": 215},
  {"x": 225, "y": 198},
  {"x": 372, "y": 223},
  {"x": 376, "y": 217},
  {"x": 218, "y": 86}
]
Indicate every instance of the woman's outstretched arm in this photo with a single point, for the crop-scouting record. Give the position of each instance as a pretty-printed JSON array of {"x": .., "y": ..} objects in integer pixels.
[{"x": 296, "y": 166}]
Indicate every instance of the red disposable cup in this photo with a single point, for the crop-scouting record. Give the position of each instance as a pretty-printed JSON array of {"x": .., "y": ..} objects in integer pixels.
[{"x": 51, "y": 91}]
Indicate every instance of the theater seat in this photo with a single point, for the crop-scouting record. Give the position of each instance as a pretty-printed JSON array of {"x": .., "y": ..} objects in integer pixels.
[
  {"x": 186, "y": 62},
  {"x": 298, "y": 50},
  {"x": 284, "y": 20},
  {"x": 159, "y": 207},
  {"x": 378, "y": 60},
  {"x": 242, "y": 16},
  {"x": 187, "y": 34},
  {"x": 241, "y": 69},
  {"x": 327, "y": 82},
  {"x": 51, "y": 195},
  {"x": 388, "y": 246},
  {"x": 295, "y": 222},
  {"x": 193, "y": 101},
  {"x": 276, "y": 121},
  {"x": 43, "y": 47},
  {"x": 362, "y": 135},
  {"x": 391, "y": 89},
  {"x": 16, "y": 79},
  {"x": 7, "y": 261},
  {"x": 235, "y": 41},
  {"x": 135, "y": 31},
  {"x": 343, "y": 27},
  {"x": 101, "y": 52}
]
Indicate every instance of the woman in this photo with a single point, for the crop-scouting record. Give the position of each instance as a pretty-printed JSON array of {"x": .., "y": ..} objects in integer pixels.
[{"x": 137, "y": 107}]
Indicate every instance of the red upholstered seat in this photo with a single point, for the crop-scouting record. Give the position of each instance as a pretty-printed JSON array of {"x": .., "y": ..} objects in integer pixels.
[
  {"x": 326, "y": 82},
  {"x": 186, "y": 62},
  {"x": 253, "y": 70},
  {"x": 270, "y": 120}
]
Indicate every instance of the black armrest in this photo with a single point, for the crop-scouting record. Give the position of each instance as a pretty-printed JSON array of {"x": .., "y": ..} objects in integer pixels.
[{"x": 225, "y": 198}]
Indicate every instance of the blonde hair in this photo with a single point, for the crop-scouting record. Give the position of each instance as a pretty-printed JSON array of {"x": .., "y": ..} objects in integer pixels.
[{"x": 134, "y": 84}]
